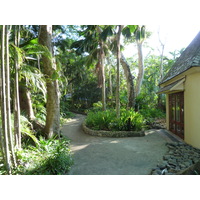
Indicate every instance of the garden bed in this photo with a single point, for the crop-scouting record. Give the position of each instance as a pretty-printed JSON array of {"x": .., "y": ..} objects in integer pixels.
[{"x": 102, "y": 133}]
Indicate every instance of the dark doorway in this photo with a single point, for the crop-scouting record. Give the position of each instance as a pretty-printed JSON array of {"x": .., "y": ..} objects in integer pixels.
[{"x": 176, "y": 114}]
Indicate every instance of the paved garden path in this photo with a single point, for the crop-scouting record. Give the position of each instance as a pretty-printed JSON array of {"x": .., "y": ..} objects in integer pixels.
[{"x": 113, "y": 156}]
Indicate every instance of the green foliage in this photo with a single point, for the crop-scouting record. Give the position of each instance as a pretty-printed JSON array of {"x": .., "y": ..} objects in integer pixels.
[
  {"x": 150, "y": 114},
  {"x": 64, "y": 109},
  {"x": 107, "y": 120},
  {"x": 3, "y": 169},
  {"x": 97, "y": 106},
  {"x": 100, "y": 120},
  {"x": 26, "y": 130},
  {"x": 108, "y": 31},
  {"x": 28, "y": 137},
  {"x": 34, "y": 79},
  {"x": 49, "y": 157},
  {"x": 39, "y": 107},
  {"x": 136, "y": 120},
  {"x": 148, "y": 97}
]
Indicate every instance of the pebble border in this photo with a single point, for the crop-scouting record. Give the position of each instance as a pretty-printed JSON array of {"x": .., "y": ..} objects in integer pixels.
[{"x": 102, "y": 133}]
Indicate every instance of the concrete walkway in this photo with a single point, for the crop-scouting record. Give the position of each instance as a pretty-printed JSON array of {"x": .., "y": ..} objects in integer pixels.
[{"x": 114, "y": 156}]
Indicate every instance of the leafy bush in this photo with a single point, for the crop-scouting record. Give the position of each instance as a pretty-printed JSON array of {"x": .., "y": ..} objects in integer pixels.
[
  {"x": 151, "y": 114},
  {"x": 48, "y": 157},
  {"x": 107, "y": 120},
  {"x": 100, "y": 120},
  {"x": 64, "y": 109},
  {"x": 28, "y": 134},
  {"x": 97, "y": 106}
]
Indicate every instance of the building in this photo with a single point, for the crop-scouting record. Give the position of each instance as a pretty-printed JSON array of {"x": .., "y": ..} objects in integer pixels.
[{"x": 182, "y": 88}]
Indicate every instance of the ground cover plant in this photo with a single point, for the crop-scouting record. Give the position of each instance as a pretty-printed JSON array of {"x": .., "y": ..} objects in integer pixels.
[
  {"x": 39, "y": 156},
  {"x": 48, "y": 157}
]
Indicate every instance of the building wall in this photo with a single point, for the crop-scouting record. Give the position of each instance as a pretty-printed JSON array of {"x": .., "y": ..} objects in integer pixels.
[
  {"x": 192, "y": 110},
  {"x": 167, "y": 111}
]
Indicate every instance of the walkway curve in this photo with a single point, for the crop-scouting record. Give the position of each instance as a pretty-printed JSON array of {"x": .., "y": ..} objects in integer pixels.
[{"x": 113, "y": 156}]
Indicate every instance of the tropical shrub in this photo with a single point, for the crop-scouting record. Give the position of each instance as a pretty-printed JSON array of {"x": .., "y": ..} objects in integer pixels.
[
  {"x": 150, "y": 114},
  {"x": 64, "y": 109},
  {"x": 107, "y": 120},
  {"x": 49, "y": 157},
  {"x": 40, "y": 156},
  {"x": 97, "y": 106}
]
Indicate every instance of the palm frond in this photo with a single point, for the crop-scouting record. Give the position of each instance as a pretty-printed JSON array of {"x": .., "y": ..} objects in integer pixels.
[
  {"x": 35, "y": 79},
  {"x": 37, "y": 49},
  {"x": 17, "y": 53}
]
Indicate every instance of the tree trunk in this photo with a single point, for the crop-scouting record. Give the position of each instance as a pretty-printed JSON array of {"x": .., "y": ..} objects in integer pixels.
[
  {"x": 8, "y": 110},
  {"x": 103, "y": 76},
  {"x": 26, "y": 106},
  {"x": 17, "y": 131},
  {"x": 130, "y": 83},
  {"x": 118, "y": 72},
  {"x": 52, "y": 125},
  {"x": 25, "y": 101},
  {"x": 141, "y": 69},
  {"x": 3, "y": 104},
  {"x": 101, "y": 70},
  {"x": 1, "y": 98},
  {"x": 160, "y": 106},
  {"x": 129, "y": 80},
  {"x": 110, "y": 84}
]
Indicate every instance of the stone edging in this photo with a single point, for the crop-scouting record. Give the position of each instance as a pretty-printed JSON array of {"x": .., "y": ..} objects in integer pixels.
[{"x": 102, "y": 133}]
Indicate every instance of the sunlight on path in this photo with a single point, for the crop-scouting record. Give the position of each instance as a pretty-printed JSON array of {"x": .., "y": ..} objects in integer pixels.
[{"x": 107, "y": 156}]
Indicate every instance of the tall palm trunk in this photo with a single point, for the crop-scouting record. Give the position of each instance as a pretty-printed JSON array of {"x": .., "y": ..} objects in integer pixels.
[
  {"x": 52, "y": 125},
  {"x": 110, "y": 84},
  {"x": 103, "y": 76},
  {"x": 1, "y": 97},
  {"x": 141, "y": 68},
  {"x": 8, "y": 110},
  {"x": 3, "y": 104},
  {"x": 101, "y": 70},
  {"x": 17, "y": 131},
  {"x": 118, "y": 72}
]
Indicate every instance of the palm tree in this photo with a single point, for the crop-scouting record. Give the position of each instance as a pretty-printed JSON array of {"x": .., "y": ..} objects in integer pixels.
[
  {"x": 120, "y": 27},
  {"x": 101, "y": 68},
  {"x": 127, "y": 33},
  {"x": 140, "y": 37},
  {"x": 4, "y": 104},
  {"x": 8, "y": 109},
  {"x": 94, "y": 44},
  {"x": 17, "y": 131}
]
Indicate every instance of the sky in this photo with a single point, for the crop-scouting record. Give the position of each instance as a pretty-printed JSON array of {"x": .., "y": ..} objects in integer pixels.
[{"x": 174, "y": 36}]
